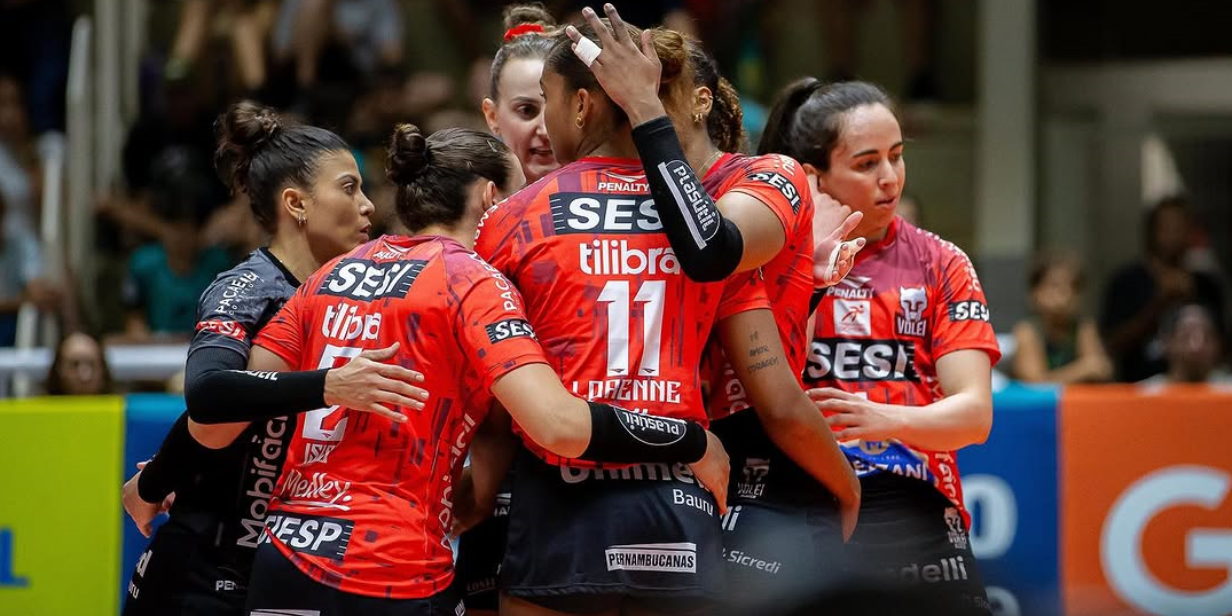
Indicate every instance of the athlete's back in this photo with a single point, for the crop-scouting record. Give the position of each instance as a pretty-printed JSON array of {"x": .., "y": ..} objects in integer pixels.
[
  {"x": 616, "y": 316},
  {"x": 365, "y": 503}
]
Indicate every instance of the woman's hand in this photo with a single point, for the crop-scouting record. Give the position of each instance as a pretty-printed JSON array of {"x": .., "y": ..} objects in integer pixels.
[
  {"x": 368, "y": 384},
  {"x": 857, "y": 417},
  {"x": 713, "y": 470},
  {"x": 141, "y": 512},
  {"x": 833, "y": 257},
  {"x": 628, "y": 74}
]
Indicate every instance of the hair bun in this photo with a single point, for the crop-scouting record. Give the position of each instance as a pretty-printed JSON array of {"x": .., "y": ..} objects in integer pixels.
[
  {"x": 532, "y": 14},
  {"x": 242, "y": 131},
  {"x": 408, "y": 155},
  {"x": 248, "y": 125}
]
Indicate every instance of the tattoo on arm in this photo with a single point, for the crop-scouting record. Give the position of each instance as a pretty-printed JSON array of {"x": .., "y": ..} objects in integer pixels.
[{"x": 759, "y": 351}]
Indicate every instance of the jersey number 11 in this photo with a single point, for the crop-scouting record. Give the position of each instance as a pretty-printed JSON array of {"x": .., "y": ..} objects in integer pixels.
[{"x": 651, "y": 295}]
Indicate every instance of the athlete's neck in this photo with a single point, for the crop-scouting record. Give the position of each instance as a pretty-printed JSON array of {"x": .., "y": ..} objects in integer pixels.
[
  {"x": 462, "y": 232},
  {"x": 618, "y": 144},
  {"x": 293, "y": 251},
  {"x": 702, "y": 154}
]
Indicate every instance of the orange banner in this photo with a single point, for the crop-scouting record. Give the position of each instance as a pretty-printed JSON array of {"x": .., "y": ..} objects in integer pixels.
[{"x": 1146, "y": 501}]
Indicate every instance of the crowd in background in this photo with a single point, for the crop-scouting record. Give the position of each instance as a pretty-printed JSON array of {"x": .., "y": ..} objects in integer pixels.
[{"x": 170, "y": 226}]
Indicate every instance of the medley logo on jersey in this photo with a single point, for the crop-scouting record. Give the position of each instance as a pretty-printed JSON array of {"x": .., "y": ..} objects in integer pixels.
[
  {"x": 367, "y": 280},
  {"x": 861, "y": 360},
  {"x": 319, "y": 491}
]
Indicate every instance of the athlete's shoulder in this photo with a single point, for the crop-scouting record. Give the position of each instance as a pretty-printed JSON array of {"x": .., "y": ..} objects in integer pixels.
[
  {"x": 934, "y": 247},
  {"x": 383, "y": 268},
  {"x": 463, "y": 265},
  {"x": 937, "y": 252},
  {"x": 255, "y": 280}
]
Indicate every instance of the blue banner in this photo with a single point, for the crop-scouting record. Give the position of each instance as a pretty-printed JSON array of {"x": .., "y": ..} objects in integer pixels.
[
  {"x": 1010, "y": 486},
  {"x": 148, "y": 417}
]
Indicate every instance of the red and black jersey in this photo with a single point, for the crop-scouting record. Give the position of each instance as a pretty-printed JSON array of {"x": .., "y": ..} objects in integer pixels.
[
  {"x": 781, "y": 184},
  {"x": 363, "y": 503},
  {"x": 910, "y": 299},
  {"x": 618, "y": 319}
]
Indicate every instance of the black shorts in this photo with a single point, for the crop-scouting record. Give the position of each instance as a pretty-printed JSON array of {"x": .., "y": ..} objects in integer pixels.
[
  {"x": 913, "y": 534},
  {"x": 181, "y": 572},
  {"x": 480, "y": 552},
  {"x": 782, "y": 537},
  {"x": 278, "y": 588},
  {"x": 584, "y": 540}
]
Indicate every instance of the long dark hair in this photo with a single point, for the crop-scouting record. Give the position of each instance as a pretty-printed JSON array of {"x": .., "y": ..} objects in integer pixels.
[
  {"x": 725, "y": 124},
  {"x": 805, "y": 122},
  {"x": 55, "y": 383}
]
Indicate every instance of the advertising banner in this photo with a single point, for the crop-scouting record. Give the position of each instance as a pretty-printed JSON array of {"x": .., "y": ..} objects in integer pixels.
[
  {"x": 1010, "y": 487},
  {"x": 1146, "y": 501},
  {"x": 60, "y": 505},
  {"x": 147, "y": 419}
]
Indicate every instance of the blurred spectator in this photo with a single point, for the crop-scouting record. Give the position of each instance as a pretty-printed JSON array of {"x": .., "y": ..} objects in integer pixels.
[
  {"x": 1057, "y": 344},
  {"x": 340, "y": 41},
  {"x": 19, "y": 176},
  {"x": 1193, "y": 344},
  {"x": 176, "y": 134},
  {"x": 916, "y": 17},
  {"x": 673, "y": 14},
  {"x": 21, "y": 276},
  {"x": 1140, "y": 294},
  {"x": 35, "y": 38},
  {"x": 166, "y": 278},
  {"x": 249, "y": 25},
  {"x": 79, "y": 368}
]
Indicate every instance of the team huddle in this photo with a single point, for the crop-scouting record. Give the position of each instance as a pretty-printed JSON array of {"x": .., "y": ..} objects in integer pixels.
[{"x": 607, "y": 365}]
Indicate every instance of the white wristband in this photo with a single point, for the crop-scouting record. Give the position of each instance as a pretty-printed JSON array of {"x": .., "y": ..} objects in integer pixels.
[{"x": 587, "y": 51}]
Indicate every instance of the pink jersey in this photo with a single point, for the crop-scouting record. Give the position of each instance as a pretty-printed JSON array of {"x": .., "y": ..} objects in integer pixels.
[{"x": 910, "y": 299}]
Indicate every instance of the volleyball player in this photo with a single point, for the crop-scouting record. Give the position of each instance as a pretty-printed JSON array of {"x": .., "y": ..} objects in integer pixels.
[
  {"x": 594, "y": 539},
  {"x": 304, "y": 188},
  {"x": 902, "y": 350},
  {"x": 363, "y": 513},
  {"x": 783, "y": 535},
  {"x": 514, "y": 112},
  {"x": 514, "y": 105}
]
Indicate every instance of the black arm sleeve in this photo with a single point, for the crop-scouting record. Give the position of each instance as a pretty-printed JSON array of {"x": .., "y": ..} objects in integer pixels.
[
  {"x": 708, "y": 246},
  {"x": 623, "y": 436},
  {"x": 178, "y": 459},
  {"x": 218, "y": 389}
]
